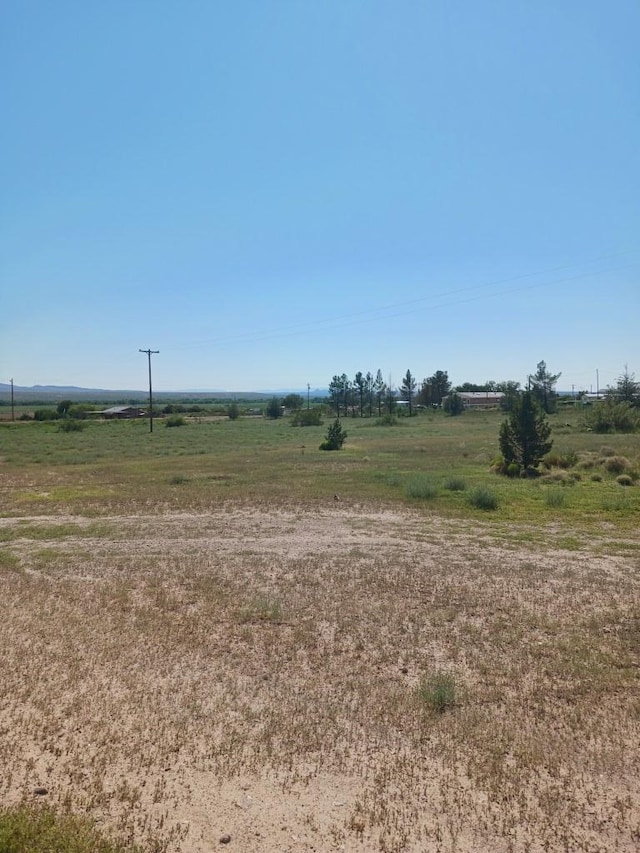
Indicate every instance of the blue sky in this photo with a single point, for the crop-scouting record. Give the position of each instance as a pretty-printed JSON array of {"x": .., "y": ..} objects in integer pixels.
[{"x": 273, "y": 192}]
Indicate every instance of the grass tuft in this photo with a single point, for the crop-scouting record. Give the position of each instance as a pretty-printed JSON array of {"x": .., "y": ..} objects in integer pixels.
[
  {"x": 421, "y": 488},
  {"x": 483, "y": 498},
  {"x": 438, "y": 692}
]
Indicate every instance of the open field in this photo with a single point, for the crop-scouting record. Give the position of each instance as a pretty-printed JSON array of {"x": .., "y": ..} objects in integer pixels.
[{"x": 218, "y": 630}]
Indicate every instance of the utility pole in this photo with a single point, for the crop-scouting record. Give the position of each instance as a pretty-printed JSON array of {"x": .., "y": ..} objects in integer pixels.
[
  {"x": 308, "y": 389},
  {"x": 149, "y": 353},
  {"x": 13, "y": 411},
  {"x": 597, "y": 383}
]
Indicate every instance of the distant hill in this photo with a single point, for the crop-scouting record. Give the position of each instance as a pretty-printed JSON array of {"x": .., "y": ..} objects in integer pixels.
[{"x": 53, "y": 393}]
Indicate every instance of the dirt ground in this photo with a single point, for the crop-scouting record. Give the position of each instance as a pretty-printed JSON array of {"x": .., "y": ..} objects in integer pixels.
[{"x": 257, "y": 679}]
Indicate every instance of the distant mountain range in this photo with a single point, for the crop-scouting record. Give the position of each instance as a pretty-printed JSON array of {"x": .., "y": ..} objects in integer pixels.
[{"x": 51, "y": 393}]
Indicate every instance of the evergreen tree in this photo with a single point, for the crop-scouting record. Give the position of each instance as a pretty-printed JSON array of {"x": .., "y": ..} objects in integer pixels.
[
  {"x": 543, "y": 385},
  {"x": 408, "y": 389},
  {"x": 336, "y": 437},
  {"x": 524, "y": 436}
]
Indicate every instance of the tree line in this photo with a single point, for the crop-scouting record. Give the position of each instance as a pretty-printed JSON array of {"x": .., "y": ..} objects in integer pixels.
[{"x": 367, "y": 394}]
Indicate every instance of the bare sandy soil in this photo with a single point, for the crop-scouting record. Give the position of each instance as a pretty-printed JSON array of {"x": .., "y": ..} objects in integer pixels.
[{"x": 258, "y": 679}]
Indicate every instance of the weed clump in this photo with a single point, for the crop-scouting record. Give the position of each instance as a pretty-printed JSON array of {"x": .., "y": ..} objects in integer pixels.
[
  {"x": 624, "y": 480},
  {"x": 555, "y": 498},
  {"x": 421, "y": 488},
  {"x": 616, "y": 464},
  {"x": 455, "y": 484},
  {"x": 438, "y": 692},
  {"x": 483, "y": 498}
]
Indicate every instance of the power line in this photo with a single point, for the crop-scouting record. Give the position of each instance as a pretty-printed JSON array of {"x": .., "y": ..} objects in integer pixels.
[{"x": 407, "y": 307}]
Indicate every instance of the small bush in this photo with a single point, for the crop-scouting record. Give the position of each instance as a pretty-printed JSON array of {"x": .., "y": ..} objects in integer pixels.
[
  {"x": 175, "y": 421},
  {"x": 624, "y": 480},
  {"x": 616, "y": 464},
  {"x": 178, "y": 480},
  {"x": 596, "y": 478},
  {"x": 455, "y": 484},
  {"x": 560, "y": 460},
  {"x": 605, "y": 450},
  {"x": 70, "y": 425},
  {"x": 438, "y": 692},
  {"x": 388, "y": 421},
  {"x": 555, "y": 498},
  {"x": 307, "y": 417},
  {"x": 421, "y": 488},
  {"x": 482, "y": 498}
]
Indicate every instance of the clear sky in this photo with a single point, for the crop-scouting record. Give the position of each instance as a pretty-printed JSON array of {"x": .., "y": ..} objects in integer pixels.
[{"x": 270, "y": 192}]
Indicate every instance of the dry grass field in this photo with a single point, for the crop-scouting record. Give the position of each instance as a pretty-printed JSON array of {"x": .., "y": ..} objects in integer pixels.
[{"x": 269, "y": 673}]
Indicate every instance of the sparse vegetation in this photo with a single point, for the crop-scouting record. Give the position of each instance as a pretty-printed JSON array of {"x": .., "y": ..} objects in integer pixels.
[
  {"x": 438, "y": 692},
  {"x": 282, "y": 615},
  {"x": 31, "y": 829}
]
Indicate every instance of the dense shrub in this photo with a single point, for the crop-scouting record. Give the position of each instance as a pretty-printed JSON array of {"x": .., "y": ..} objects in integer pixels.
[
  {"x": 453, "y": 404},
  {"x": 624, "y": 480},
  {"x": 610, "y": 416},
  {"x": 307, "y": 417},
  {"x": 273, "y": 409},
  {"x": 175, "y": 421}
]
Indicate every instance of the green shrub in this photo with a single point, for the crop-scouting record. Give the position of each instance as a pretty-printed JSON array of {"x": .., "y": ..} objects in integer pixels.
[
  {"x": 388, "y": 421},
  {"x": 70, "y": 425},
  {"x": 307, "y": 417},
  {"x": 611, "y": 416},
  {"x": 560, "y": 460},
  {"x": 336, "y": 437},
  {"x": 453, "y": 404},
  {"x": 512, "y": 469},
  {"x": 421, "y": 488},
  {"x": 624, "y": 480},
  {"x": 482, "y": 498},
  {"x": 606, "y": 450},
  {"x": 274, "y": 409},
  {"x": 555, "y": 498},
  {"x": 438, "y": 692},
  {"x": 175, "y": 421},
  {"x": 455, "y": 484},
  {"x": 233, "y": 411},
  {"x": 596, "y": 478}
]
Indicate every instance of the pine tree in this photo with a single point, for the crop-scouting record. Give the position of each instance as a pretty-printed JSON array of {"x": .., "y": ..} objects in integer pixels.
[{"x": 524, "y": 436}]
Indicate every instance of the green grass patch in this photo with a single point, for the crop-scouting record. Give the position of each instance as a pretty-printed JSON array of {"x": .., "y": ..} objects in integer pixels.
[
  {"x": 482, "y": 497},
  {"x": 438, "y": 692},
  {"x": 31, "y": 829},
  {"x": 421, "y": 488}
]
